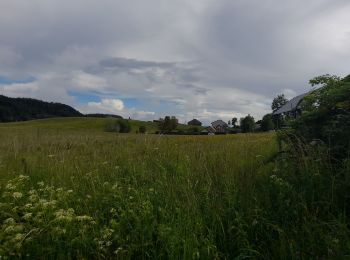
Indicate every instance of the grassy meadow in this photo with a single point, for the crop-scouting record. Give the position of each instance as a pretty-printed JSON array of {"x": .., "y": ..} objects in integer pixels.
[{"x": 69, "y": 190}]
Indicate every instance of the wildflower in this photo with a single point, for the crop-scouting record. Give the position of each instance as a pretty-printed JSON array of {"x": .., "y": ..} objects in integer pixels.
[
  {"x": 33, "y": 198},
  {"x": 84, "y": 218},
  {"x": 9, "y": 186},
  {"x": 28, "y": 206},
  {"x": 17, "y": 195},
  {"x": 9, "y": 221},
  {"x": 64, "y": 215},
  {"x": 69, "y": 191},
  {"x": 27, "y": 216}
]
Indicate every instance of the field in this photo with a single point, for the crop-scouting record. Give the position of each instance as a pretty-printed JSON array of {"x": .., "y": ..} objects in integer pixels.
[{"x": 70, "y": 190}]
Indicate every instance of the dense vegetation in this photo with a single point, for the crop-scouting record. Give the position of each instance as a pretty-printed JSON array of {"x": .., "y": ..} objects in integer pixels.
[
  {"x": 69, "y": 189},
  {"x": 76, "y": 193},
  {"x": 21, "y": 109},
  {"x": 326, "y": 115}
]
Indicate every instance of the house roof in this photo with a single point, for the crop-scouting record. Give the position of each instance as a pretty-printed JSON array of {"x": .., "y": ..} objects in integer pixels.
[
  {"x": 291, "y": 105},
  {"x": 194, "y": 121},
  {"x": 219, "y": 123},
  {"x": 209, "y": 129}
]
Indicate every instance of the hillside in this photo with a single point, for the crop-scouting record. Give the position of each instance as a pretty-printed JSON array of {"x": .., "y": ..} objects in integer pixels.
[
  {"x": 22, "y": 109},
  {"x": 73, "y": 124},
  {"x": 78, "y": 124}
]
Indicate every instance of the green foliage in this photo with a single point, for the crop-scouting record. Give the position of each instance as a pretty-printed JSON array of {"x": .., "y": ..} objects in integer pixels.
[
  {"x": 168, "y": 124},
  {"x": 234, "y": 121},
  {"x": 142, "y": 129},
  {"x": 194, "y": 130},
  {"x": 21, "y": 109},
  {"x": 75, "y": 195},
  {"x": 278, "y": 102},
  {"x": 267, "y": 123},
  {"x": 326, "y": 115},
  {"x": 118, "y": 126},
  {"x": 247, "y": 124}
]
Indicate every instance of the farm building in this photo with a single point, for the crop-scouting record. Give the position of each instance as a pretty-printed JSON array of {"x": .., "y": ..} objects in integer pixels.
[
  {"x": 219, "y": 126},
  {"x": 291, "y": 108},
  {"x": 208, "y": 130},
  {"x": 195, "y": 122}
]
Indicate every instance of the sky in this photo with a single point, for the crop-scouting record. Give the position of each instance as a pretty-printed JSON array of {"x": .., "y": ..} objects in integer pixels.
[{"x": 144, "y": 59}]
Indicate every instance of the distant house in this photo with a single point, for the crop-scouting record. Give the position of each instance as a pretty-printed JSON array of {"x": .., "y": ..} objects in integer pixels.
[
  {"x": 195, "y": 122},
  {"x": 208, "y": 130},
  {"x": 291, "y": 108},
  {"x": 220, "y": 126}
]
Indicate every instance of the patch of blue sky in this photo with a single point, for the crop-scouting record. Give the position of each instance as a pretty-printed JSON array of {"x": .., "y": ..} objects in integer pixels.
[
  {"x": 132, "y": 102},
  {"x": 84, "y": 97},
  {"x": 10, "y": 81}
]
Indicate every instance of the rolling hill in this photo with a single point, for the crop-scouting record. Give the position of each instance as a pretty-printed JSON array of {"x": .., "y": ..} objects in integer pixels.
[{"x": 22, "y": 109}]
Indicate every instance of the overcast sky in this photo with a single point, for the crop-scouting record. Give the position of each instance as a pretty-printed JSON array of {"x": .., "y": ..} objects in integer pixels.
[{"x": 205, "y": 59}]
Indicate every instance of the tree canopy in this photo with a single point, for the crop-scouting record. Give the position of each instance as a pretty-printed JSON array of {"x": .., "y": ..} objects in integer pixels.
[
  {"x": 326, "y": 114},
  {"x": 278, "y": 102},
  {"x": 247, "y": 124},
  {"x": 21, "y": 109}
]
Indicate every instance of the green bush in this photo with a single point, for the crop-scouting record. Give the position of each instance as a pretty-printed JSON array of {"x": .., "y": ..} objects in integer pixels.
[
  {"x": 118, "y": 126},
  {"x": 142, "y": 129},
  {"x": 326, "y": 115}
]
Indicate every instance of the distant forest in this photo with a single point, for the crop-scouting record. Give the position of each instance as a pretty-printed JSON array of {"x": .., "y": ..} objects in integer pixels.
[{"x": 21, "y": 109}]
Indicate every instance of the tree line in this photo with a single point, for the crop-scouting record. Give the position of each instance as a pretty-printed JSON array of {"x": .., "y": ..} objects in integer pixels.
[{"x": 21, "y": 109}]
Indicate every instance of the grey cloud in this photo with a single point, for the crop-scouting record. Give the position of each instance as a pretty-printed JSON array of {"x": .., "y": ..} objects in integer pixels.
[
  {"x": 215, "y": 56},
  {"x": 125, "y": 63}
]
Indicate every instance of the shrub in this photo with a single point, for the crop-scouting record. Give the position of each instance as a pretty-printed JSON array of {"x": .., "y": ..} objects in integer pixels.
[
  {"x": 142, "y": 129},
  {"x": 326, "y": 115},
  {"x": 118, "y": 126}
]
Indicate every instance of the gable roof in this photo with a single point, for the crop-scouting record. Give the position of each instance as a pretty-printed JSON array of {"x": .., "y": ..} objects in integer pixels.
[
  {"x": 194, "y": 122},
  {"x": 219, "y": 123},
  {"x": 291, "y": 105}
]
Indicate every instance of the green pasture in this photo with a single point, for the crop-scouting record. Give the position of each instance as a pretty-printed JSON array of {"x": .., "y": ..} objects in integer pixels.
[{"x": 70, "y": 190}]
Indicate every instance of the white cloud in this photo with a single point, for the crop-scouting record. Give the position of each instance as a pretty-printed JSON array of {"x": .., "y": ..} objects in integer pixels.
[
  {"x": 107, "y": 105},
  {"x": 19, "y": 89},
  {"x": 87, "y": 81}
]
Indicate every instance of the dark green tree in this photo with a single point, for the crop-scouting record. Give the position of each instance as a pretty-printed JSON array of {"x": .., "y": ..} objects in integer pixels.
[
  {"x": 247, "y": 124},
  {"x": 278, "y": 102},
  {"x": 234, "y": 121},
  {"x": 326, "y": 115},
  {"x": 267, "y": 123},
  {"x": 168, "y": 124}
]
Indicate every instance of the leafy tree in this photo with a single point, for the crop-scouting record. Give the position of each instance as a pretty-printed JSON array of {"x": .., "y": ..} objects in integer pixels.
[
  {"x": 278, "y": 102},
  {"x": 267, "y": 123},
  {"x": 247, "y": 124},
  {"x": 234, "y": 121},
  {"x": 326, "y": 114},
  {"x": 168, "y": 124}
]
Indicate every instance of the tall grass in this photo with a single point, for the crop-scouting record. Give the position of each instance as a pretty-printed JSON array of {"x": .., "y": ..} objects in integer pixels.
[{"x": 101, "y": 195}]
